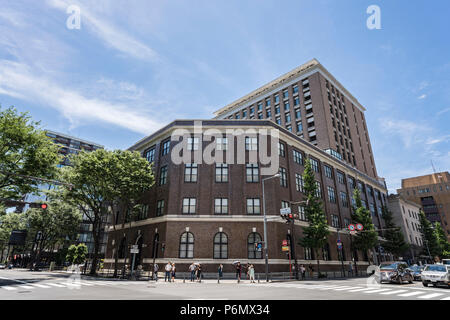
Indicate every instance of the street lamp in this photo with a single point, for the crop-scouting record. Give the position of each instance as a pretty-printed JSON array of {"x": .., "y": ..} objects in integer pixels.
[{"x": 265, "y": 226}]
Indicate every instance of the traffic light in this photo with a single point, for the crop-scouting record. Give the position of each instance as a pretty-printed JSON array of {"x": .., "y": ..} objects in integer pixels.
[{"x": 42, "y": 206}]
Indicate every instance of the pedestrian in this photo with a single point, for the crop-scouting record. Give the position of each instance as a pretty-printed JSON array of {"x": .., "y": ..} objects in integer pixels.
[
  {"x": 350, "y": 269},
  {"x": 303, "y": 271},
  {"x": 192, "y": 270},
  {"x": 173, "y": 272},
  {"x": 251, "y": 273},
  {"x": 168, "y": 269},
  {"x": 311, "y": 270},
  {"x": 220, "y": 271},
  {"x": 199, "y": 273},
  {"x": 155, "y": 271},
  {"x": 238, "y": 271}
]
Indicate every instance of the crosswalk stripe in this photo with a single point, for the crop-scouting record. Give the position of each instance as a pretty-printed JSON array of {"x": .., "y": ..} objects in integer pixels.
[
  {"x": 69, "y": 284},
  {"x": 394, "y": 292},
  {"x": 39, "y": 285},
  {"x": 99, "y": 283},
  {"x": 431, "y": 295},
  {"x": 363, "y": 289},
  {"x": 376, "y": 290},
  {"x": 26, "y": 287},
  {"x": 346, "y": 288},
  {"x": 56, "y": 285},
  {"x": 409, "y": 294},
  {"x": 330, "y": 287},
  {"x": 9, "y": 288}
]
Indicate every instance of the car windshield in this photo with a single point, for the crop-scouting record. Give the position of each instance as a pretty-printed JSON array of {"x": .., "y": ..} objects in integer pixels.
[
  {"x": 440, "y": 268},
  {"x": 392, "y": 266},
  {"x": 416, "y": 268}
]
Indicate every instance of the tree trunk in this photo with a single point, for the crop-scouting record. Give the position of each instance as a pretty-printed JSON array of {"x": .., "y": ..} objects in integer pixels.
[
  {"x": 95, "y": 235},
  {"x": 318, "y": 263},
  {"x": 116, "y": 259}
]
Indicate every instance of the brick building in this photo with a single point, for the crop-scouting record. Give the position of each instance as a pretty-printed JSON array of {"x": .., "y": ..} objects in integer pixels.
[{"x": 213, "y": 213}]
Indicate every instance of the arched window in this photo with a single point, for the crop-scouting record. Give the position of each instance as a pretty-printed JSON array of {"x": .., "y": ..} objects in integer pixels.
[
  {"x": 155, "y": 246},
  {"x": 220, "y": 246},
  {"x": 251, "y": 249},
  {"x": 123, "y": 248},
  {"x": 138, "y": 256},
  {"x": 187, "y": 245},
  {"x": 326, "y": 252}
]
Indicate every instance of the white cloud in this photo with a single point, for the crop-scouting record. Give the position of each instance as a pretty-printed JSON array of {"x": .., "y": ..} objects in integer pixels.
[
  {"x": 111, "y": 35},
  {"x": 423, "y": 96},
  {"x": 18, "y": 80}
]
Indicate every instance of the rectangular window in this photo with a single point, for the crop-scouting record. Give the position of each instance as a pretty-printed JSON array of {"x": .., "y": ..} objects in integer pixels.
[
  {"x": 299, "y": 186},
  {"x": 296, "y": 101},
  {"x": 344, "y": 199},
  {"x": 331, "y": 194},
  {"x": 328, "y": 171},
  {"x": 346, "y": 222},
  {"x": 160, "y": 208},
  {"x": 287, "y": 117},
  {"x": 340, "y": 177},
  {"x": 251, "y": 144},
  {"x": 221, "y": 172},
  {"x": 295, "y": 89},
  {"x": 301, "y": 213},
  {"x": 298, "y": 157},
  {"x": 189, "y": 205},
  {"x": 285, "y": 94},
  {"x": 190, "y": 172},
  {"x": 192, "y": 144},
  {"x": 314, "y": 164},
  {"x": 283, "y": 177},
  {"x": 252, "y": 172},
  {"x": 308, "y": 253},
  {"x": 259, "y": 106},
  {"x": 253, "y": 206},
  {"x": 299, "y": 127},
  {"x": 267, "y": 102},
  {"x": 335, "y": 221},
  {"x": 277, "y": 110},
  {"x": 276, "y": 98},
  {"x": 150, "y": 154},
  {"x": 281, "y": 149},
  {"x": 286, "y": 106},
  {"x": 298, "y": 114},
  {"x": 165, "y": 147},
  {"x": 318, "y": 190},
  {"x": 163, "y": 176},
  {"x": 221, "y": 206},
  {"x": 221, "y": 143}
]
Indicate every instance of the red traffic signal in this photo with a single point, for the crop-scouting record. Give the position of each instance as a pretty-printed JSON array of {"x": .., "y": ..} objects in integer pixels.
[{"x": 44, "y": 206}]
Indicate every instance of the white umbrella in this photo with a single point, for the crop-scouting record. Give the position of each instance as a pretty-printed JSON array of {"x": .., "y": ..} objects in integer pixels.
[{"x": 235, "y": 262}]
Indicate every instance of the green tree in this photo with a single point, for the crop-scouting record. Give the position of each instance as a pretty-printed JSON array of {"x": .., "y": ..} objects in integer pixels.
[
  {"x": 25, "y": 150},
  {"x": 368, "y": 238},
  {"x": 441, "y": 239},
  {"x": 103, "y": 179},
  {"x": 9, "y": 222},
  {"x": 71, "y": 252},
  {"x": 315, "y": 235},
  {"x": 56, "y": 225},
  {"x": 431, "y": 242},
  {"x": 76, "y": 254},
  {"x": 395, "y": 241}
]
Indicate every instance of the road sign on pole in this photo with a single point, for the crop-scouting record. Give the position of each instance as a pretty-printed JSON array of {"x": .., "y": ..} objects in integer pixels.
[
  {"x": 359, "y": 227},
  {"x": 284, "y": 243},
  {"x": 351, "y": 227},
  {"x": 339, "y": 244},
  {"x": 284, "y": 248},
  {"x": 285, "y": 210}
]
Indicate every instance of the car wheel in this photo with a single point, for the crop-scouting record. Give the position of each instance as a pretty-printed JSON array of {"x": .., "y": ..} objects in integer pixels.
[{"x": 425, "y": 284}]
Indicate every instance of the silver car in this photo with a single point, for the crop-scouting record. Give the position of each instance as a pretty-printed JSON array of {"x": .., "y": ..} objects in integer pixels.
[{"x": 436, "y": 274}]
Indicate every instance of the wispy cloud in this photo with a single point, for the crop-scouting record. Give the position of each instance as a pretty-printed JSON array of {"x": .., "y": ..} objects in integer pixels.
[
  {"x": 421, "y": 97},
  {"x": 111, "y": 35},
  {"x": 443, "y": 111},
  {"x": 17, "y": 79}
]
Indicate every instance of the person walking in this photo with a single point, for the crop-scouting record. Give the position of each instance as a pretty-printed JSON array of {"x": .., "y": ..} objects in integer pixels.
[
  {"x": 168, "y": 269},
  {"x": 155, "y": 271},
  {"x": 251, "y": 271},
  {"x": 199, "y": 273},
  {"x": 303, "y": 271},
  {"x": 220, "y": 271},
  {"x": 173, "y": 272},
  {"x": 192, "y": 270},
  {"x": 311, "y": 270},
  {"x": 238, "y": 271}
]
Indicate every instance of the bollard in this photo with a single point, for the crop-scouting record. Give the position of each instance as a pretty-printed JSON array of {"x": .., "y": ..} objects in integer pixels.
[{"x": 184, "y": 278}]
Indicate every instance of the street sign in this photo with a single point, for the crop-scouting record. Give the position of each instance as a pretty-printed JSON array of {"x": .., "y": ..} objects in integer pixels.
[
  {"x": 284, "y": 243},
  {"x": 259, "y": 246},
  {"x": 359, "y": 227},
  {"x": 339, "y": 244},
  {"x": 134, "y": 250},
  {"x": 135, "y": 246},
  {"x": 351, "y": 227},
  {"x": 285, "y": 210},
  {"x": 284, "y": 248}
]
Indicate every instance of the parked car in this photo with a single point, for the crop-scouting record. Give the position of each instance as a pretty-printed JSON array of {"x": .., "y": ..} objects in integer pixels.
[
  {"x": 446, "y": 261},
  {"x": 436, "y": 274},
  {"x": 395, "y": 272},
  {"x": 416, "y": 272},
  {"x": 2, "y": 266}
]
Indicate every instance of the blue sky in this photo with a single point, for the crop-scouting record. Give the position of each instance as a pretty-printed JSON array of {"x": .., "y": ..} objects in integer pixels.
[{"x": 137, "y": 65}]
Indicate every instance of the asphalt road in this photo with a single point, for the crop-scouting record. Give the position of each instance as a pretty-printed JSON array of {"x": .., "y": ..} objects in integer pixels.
[{"x": 26, "y": 285}]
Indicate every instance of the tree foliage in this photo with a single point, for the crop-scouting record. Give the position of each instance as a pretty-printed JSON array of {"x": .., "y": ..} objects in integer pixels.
[
  {"x": 395, "y": 241},
  {"x": 442, "y": 241},
  {"x": 101, "y": 178},
  {"x": 9, "y": 222},
  {"x": 315, "y": 235},
  {"x": 431, "y": 243},
  {"x": 368, "y": 238},
  {"x": 76, "y": 254},
  {"x": 25, "y": 150}
]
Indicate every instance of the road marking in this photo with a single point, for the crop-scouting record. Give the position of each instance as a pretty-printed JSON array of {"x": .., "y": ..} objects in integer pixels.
[
  {"x": 9, "y": 288},
  {"x": 330, "y": 287},
  {"x": 431, "y": 295},
  {"x": 363, "y": 289},
  {"x": 99, "y": 283},
  {"x": 70, "y": 284},
  {"x": 83, "y": 283},
  {"x": 394, "y": 292},
  {"x": 56, "y": 285},
  {"x": 376, "y": 290},
  {"x": 410, "y": 294},
  {"x": 39, "y": 285},
  {"x": 346, "y": 288},
  {"x": 26, "y": 287}
]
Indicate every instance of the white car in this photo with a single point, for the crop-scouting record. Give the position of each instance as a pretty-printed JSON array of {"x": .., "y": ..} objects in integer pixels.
[
  {"x": 2, "y": 266},
  {"x": 436, "y": 274}
]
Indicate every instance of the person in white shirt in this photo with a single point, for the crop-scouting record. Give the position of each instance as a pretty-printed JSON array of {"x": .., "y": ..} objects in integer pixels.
[{"x": 168, "y": 269}]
